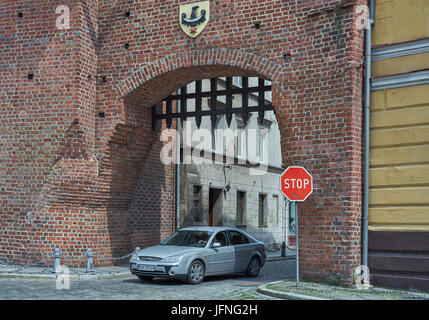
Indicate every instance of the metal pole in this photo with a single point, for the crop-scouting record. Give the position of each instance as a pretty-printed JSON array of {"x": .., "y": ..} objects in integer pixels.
[
  {"x": 178, "y": 165},
  {"x": 285, "y": 226},
  {"x": 295, "y": 212},
  {"x": 367, "y": 114},
  {"x": 57, "y": 262}
]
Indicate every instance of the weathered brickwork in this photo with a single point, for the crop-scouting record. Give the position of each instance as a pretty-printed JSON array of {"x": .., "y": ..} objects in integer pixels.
[{"x": 79, "y": 162}]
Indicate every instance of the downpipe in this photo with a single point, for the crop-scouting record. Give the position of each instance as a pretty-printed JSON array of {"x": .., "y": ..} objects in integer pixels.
[
  {"x": 367, "y": 109},
  {"x": 178, "y": 137}
]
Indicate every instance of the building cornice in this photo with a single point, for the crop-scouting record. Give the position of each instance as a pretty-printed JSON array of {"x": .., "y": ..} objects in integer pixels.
[
  {"x": 400, "y": 80},
  {"x": 400, "y": 49}
]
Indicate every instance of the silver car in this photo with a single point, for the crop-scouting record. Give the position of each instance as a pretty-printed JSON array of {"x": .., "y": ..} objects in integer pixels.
[{"x": 193, "y": 253}]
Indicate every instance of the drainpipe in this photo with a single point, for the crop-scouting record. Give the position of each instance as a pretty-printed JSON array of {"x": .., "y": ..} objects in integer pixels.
[
  {"x": 367, "y": 106},
  {"x": 178, "y": 166}
]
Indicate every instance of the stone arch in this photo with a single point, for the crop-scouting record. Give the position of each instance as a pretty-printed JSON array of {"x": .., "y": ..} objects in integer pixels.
[
  {"x": 218, "y": 60},
  {"x": 154, "y": 81}
]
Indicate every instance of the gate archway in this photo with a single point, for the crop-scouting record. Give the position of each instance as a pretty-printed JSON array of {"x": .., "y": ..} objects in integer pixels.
[{"x": 150, "y": 86}]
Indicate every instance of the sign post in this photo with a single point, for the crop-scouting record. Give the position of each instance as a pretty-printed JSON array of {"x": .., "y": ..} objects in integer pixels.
[
  {"x": 294, "y": 209},
  {"x": 296, "y": 184}
]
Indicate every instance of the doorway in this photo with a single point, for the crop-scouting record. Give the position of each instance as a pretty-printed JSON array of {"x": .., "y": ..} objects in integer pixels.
[{"x": 215, "y": 207}]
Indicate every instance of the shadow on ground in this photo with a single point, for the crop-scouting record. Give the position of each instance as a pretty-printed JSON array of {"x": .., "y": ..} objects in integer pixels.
[{"x": 209, "y": 279}]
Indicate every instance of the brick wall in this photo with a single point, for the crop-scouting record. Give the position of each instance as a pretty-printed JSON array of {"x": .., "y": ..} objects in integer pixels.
[
  {"x": 77, "y": 147},
  {"x": 47, "y": 126}
]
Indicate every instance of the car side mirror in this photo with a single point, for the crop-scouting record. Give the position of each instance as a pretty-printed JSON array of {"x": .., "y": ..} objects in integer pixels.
[{"x": 216, "y": 244}]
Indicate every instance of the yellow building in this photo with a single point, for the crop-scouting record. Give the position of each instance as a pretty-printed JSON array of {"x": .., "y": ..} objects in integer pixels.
[{"x": 399, "y": 145}]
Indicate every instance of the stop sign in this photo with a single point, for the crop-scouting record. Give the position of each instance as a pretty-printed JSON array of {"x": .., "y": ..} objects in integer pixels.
[{"x": 296, "y": 183}]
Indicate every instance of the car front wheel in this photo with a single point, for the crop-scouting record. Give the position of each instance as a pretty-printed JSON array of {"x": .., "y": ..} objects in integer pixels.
[
  {"x": 196, "y": 272},
  {"x": 253, "y": 268}
]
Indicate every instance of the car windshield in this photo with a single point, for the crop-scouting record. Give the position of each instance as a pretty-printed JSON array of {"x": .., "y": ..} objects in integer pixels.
[{"x": 188, "y": 238}]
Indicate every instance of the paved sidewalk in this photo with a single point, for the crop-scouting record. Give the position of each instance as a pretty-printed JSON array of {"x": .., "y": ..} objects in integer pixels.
[
  {"x": 100, "y": 273},
  {"x": 287, "y": 290}
]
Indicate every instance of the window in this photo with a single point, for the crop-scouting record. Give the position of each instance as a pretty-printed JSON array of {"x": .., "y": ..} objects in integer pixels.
[
  {"x": 268, "y": 94},
  {"x": 262, "y": 210},
  {"x": 276, "y": 208},
  {"x": 187, "y": 238},
  {"x": 240, "y": 82},
  {"x": 237, "y": 238},
  {"x": 241, "y": 140},
  {"x": 263, "y": 144},
  {"x": 217, "y": 137},
  {"x": 196, "y": 203},
  {"x": 221, "y": 238},
  {"x": 241, "y": 208}
]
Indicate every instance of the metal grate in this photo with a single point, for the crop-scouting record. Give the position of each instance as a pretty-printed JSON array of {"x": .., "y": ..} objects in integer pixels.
[
  {"x": 146, "y": 258},
  {"x": 213, "y": 94}
]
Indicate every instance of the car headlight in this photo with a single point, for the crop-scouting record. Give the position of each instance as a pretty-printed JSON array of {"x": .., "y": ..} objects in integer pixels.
[
  {"x": 171, "y": 259},
  {"x": 134, "y": 255}
]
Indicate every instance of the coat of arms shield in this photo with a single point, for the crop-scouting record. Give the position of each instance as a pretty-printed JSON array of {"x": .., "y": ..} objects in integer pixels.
[{"x": 194, "y": 17}]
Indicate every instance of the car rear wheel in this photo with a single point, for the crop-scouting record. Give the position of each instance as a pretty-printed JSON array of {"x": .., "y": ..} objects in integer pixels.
[
  {"x": 145, "y": 278},
  {"x": 196, "y": 272},
  {"x": 253, "y": 268}
]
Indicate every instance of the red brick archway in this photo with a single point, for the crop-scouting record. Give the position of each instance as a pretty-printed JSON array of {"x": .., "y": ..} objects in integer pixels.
[{"x": 218, "y": 61}]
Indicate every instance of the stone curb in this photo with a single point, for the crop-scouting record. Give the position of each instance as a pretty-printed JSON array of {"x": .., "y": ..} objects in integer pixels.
[
  {"x": 279, "y": 258},
  {"x": 284, "y": 295},
  {"x": 73, "y": 277},
  {"x": 27, "y": 276}
]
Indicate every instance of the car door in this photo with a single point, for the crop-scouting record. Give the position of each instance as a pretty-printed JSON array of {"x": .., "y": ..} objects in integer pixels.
[
  {"x": 242, "y": 250},
  {"x": 220, "y": 258}
]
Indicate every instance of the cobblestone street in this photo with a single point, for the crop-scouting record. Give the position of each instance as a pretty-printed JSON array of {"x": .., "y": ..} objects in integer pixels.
[{"x": 213, "y": 288}]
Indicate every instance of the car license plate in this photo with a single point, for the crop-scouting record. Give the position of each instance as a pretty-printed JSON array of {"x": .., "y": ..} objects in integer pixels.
[{"x": 145, "y": 267}]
